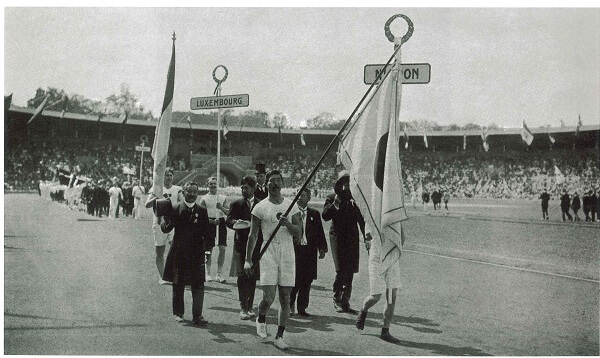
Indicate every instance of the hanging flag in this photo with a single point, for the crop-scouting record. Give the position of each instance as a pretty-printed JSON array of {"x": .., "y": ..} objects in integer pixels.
[
  {"x": 189, "y": 120},
  {"x": 526, "y": 134},
  {"x": 39, "y": 109},
  {"x": 65, "y": 100},
  {"x": 465, "y": 142},
  {"x": 302, "y": 138},
  {"x": 405, "y": 137},
  {"x": 279, "y": 131},
  {"x": 160, "y": 147},
  {"x": 7, "y": 102},
  {"x": 552, "y": 140},
  {"x": 123, "y": 117},
  {"x": 579, "y": 125},
  {"x": 484, "y": 135},
  {"x": 225, "y": 129},
  {"x": 370, "y": 153},
  {"x": 560, "y": 178},
  {"x": 101, "y": 115},
  {"x": 425, "y": 139}
]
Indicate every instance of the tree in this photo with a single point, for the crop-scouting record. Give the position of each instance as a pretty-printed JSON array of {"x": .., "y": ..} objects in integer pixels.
[
  {"x": 471, "y": 126},
  {"x": 322, "y": 121},
  {"x": 281, "y": 120},
  {"x": 252, "y": 118},
  {"x": 125, "y": 101}
]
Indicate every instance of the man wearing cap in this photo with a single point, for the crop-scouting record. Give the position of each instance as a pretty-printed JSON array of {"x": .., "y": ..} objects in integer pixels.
[
  {"x": 261, "y": 191},
  {"x": 238, "y": 219},
  {"x": 346, "y": 220},
  {"x": 174, "y": 193},
  {"x": 277, "y": 265}
]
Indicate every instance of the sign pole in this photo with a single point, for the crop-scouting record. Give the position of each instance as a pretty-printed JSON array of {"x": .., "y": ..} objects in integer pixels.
[
  {"x": 142, "y": 164},
  {"x": 218, "y": 94}
]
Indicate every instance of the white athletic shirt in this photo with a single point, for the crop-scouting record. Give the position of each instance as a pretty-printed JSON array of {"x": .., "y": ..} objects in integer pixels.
[
  {"x": 267, "y": 213},
  {"x": 210, "y": 200}
]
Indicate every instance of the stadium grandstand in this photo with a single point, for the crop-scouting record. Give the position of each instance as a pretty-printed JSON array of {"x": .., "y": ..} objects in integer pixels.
[{"x": 455, "y": 161}]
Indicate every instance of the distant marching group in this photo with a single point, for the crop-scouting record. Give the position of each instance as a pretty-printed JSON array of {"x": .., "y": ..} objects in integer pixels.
[
  {"x": 589, "y": 203},
  {"x": 287, "y": 265}
]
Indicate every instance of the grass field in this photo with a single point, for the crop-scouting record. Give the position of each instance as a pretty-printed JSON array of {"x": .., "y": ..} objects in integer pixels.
[{"x": 489, "y": 277}]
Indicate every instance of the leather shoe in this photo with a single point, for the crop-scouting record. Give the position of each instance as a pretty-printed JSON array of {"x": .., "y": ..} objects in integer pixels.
[
  {"x": 200, "y": 321},
  {"x": 303, "y": 313},
  {"x": 389, "y": 338},
  {"x": 338, "y": 308},
  {"x": 350, "y": 310},
  {"x": 360, "y": 321}
]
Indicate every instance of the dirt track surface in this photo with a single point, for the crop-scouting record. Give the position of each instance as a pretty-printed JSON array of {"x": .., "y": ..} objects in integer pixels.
[{"x": 489, "y": 278}]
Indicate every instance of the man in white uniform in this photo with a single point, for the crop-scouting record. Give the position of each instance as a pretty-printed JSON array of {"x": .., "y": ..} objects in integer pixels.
[
  {"x": 278, "y": 264},
  {"x": 138, "y": 193},
  {"x": 380, "y": 283},
  {"x": 115, "y": 194},
  {"x": 174, "y": 193},
  {"x": 218, "y": 208}
]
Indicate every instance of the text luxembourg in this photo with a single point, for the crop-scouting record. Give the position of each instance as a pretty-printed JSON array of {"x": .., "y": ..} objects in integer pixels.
[{"x": 240, "y": 100}]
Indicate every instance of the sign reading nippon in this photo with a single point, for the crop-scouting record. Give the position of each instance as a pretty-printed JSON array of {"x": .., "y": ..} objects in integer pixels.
[
  {"x": 409, "y": 72},
  {"x": 235, "y": 100}
]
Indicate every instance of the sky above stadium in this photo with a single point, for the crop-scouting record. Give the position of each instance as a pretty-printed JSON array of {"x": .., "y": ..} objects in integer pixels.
[{"x": 488, "y": 65}]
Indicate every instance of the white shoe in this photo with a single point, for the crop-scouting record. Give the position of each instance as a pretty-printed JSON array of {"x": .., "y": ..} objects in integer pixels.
[
  {"x": 251, "y": 314},
  {"x": 218, "y": 278},
  {"x": 208, "y": 278},
  {"x": 163, "y": 282},
  {"x": 244, "y": 315},
  {"x": 178, "y": 318},
  {"x": 280, "y": 343},
  {"x": 261, "y": 329}
]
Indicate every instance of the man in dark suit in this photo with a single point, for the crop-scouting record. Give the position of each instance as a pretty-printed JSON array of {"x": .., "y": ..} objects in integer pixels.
[
  {"x": 343, "y": 238},
  {"x": 240, "y": 212},
  {"x": 565, "y": 204},
  {"x": 261, "y": 191},
  {"x": 306, "y": 249},
  {"x": 545, "y": 197},
  {"x": 185, "y": 261}
]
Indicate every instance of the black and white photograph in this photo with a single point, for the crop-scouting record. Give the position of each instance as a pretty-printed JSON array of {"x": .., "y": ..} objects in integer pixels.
[{"x": 305, "y": 178}]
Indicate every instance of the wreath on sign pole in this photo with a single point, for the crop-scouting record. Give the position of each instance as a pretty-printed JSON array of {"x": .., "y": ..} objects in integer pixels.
[{"x": 219, "y": 81}]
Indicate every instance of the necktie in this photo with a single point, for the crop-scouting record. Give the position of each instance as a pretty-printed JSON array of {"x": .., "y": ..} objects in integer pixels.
[{"x": 303, "y": 218}]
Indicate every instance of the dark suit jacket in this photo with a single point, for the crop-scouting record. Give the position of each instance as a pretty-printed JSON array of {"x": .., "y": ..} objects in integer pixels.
[
  {"x": 343, "y": 233},
  {"x": 239, "y": 210},
  {"x": 185, "y": 261},
  {"x": 261, "y": 193},
  {"x": 306, "y": 255}
]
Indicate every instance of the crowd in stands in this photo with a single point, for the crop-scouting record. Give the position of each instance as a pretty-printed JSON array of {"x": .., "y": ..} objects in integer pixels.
[{"x": 477, "y": 175}]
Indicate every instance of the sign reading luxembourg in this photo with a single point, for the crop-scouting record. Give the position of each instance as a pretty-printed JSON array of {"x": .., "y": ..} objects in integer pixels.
[
  {"x": 140, "y": 148},
  {"x": 409, "y": 72},
  {"x": 235, "y": 100}
]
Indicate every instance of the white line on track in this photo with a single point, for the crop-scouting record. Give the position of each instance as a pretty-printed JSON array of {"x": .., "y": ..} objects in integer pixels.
[{"x": 504, "y": 266}]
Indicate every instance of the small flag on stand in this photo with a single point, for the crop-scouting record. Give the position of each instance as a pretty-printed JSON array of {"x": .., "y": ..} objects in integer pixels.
[
  {"x": 64, "y": 106},
  {"x": 124, "y": 117},
  {"x": 405, "y": 137},
  {"x": 39, "y": 109},
  {"x": 484, "y": 135},
  {"x": 552, "y": 140},
  {"x": 302, "y": 138},
  {"x": 425, "y": 140},
  {"x": 579, "y": 125},
  {"x": 465, "y": 142},
  {"x": 225, "y": 129},
  {"x": 526, "y": 134}
]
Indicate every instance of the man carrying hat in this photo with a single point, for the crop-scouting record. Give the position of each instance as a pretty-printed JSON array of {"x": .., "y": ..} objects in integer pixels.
[
  {"x": 346, "y": 220},
  {"x": 261, "y": 191}
]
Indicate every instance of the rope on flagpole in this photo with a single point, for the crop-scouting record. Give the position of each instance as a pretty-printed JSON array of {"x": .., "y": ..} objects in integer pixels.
[{"x": 314, "y": 171}]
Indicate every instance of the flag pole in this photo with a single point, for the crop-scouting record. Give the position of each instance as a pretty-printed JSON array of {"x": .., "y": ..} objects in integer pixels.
[
  {"x": 217, "y": 92},
  {"x": 328, "y": 149}
]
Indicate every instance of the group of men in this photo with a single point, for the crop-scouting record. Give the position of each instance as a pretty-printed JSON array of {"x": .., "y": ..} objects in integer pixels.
[
  {"x": 436, "y": 197},
  {"x": 275, "y": 243},
  {"x": 110, "y": 198},
  {"x": 589, "y": 203}
]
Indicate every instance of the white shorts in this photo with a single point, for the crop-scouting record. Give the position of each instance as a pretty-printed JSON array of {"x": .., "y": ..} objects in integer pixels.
[
  {"x": 161, "y": 239},
  {"x": 278, "y": 265},
  {"x": 378, "y": 283}
]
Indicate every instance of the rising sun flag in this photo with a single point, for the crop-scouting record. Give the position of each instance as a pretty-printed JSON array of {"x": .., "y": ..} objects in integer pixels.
[
  {"x": 369, "y": 151},
  {"x": 162, "y": 133}
]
